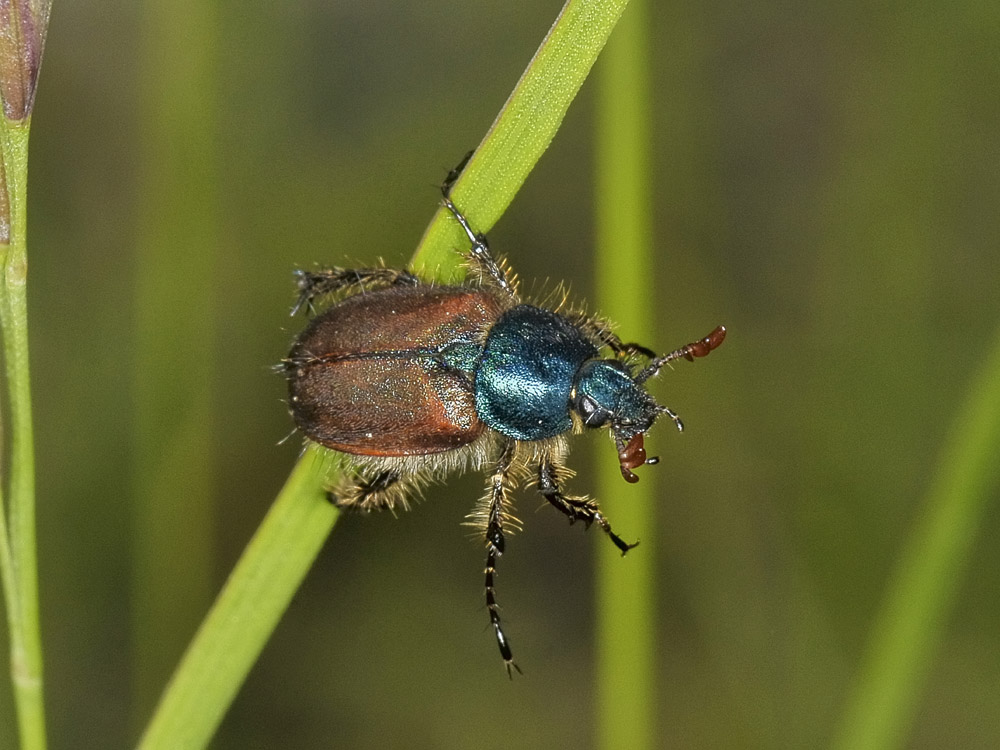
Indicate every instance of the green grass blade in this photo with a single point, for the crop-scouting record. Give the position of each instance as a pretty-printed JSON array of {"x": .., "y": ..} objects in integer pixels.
[
  {"x": 523, "y": 129},
  {"x": 626, "y": 649},
  {"x": 922, "y": 591},
  {"x": 281, "y": 552},
  {"x": 247, "y": 611}
]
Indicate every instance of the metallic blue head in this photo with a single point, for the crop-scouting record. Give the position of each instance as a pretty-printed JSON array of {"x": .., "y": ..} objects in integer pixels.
[{"x": 606, "y": 394}]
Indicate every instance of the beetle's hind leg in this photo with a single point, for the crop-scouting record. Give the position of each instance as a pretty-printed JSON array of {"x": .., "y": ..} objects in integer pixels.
[
  {"x": 379, "y": 490},
  {"x": 491, "y": 515},
  {"x": 479, "y": 256},
  {"x": 314, "y": 284},
  {"x": 550, "y": 475}
]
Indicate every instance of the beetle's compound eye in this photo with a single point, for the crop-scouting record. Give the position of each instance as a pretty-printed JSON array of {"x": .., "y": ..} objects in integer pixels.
[{"x": 594, "y": 415}]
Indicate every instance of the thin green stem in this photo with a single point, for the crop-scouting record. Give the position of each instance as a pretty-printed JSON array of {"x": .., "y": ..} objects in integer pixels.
[
  {"x": 922, "y": 592},
  {"x": 284, "y": 547},
  {"x": 25, "y": 635},
  {"x": 174, "y": 448},
  {"x": 626, "y": 638}
]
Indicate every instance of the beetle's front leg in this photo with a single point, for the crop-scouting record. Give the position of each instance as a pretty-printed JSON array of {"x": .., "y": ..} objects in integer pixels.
[
  {"x": 576, "y": 509},
  {"x": 313, "y": 284},
  {"x": 601, "y": 331}
]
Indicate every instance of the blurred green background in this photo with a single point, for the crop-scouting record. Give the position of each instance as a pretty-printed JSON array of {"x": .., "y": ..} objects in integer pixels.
[{"x": 826, "y": 186}]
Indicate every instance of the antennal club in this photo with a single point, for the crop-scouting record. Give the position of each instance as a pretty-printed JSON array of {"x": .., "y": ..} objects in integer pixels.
[{"x": 699, "y": 348}]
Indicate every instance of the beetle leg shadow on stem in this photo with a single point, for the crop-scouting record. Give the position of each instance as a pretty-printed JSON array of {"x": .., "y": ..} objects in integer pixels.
[
  {"x": 574, "y": 508},
  {"x": 496, "y": 515},
  {"x": 455, "y": 173}
]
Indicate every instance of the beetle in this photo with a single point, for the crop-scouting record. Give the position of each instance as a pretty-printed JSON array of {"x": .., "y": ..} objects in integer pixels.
[{"x": 411, "y": 380}]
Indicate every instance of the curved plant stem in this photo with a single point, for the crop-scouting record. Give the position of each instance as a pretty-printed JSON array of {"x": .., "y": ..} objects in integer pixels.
[
  {"x": 21, "y": 581},
  {"x": 626, "y": 647},
  {"x": 284, "y": 547},
  {"x": 923, "y": 588}
]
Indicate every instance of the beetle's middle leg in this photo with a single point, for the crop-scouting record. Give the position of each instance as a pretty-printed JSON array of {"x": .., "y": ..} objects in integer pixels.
[
  {"x": 576, "y": 509},
  {"x": 314, "y": 284},
  {"x": 494, "y": 512}
]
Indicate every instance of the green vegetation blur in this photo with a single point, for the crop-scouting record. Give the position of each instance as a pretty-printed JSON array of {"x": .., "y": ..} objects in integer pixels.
[{"x": 826, "y": 186}]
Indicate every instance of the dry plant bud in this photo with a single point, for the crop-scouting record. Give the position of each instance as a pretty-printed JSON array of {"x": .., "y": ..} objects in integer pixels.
[{"x": 23, "y": 24}]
